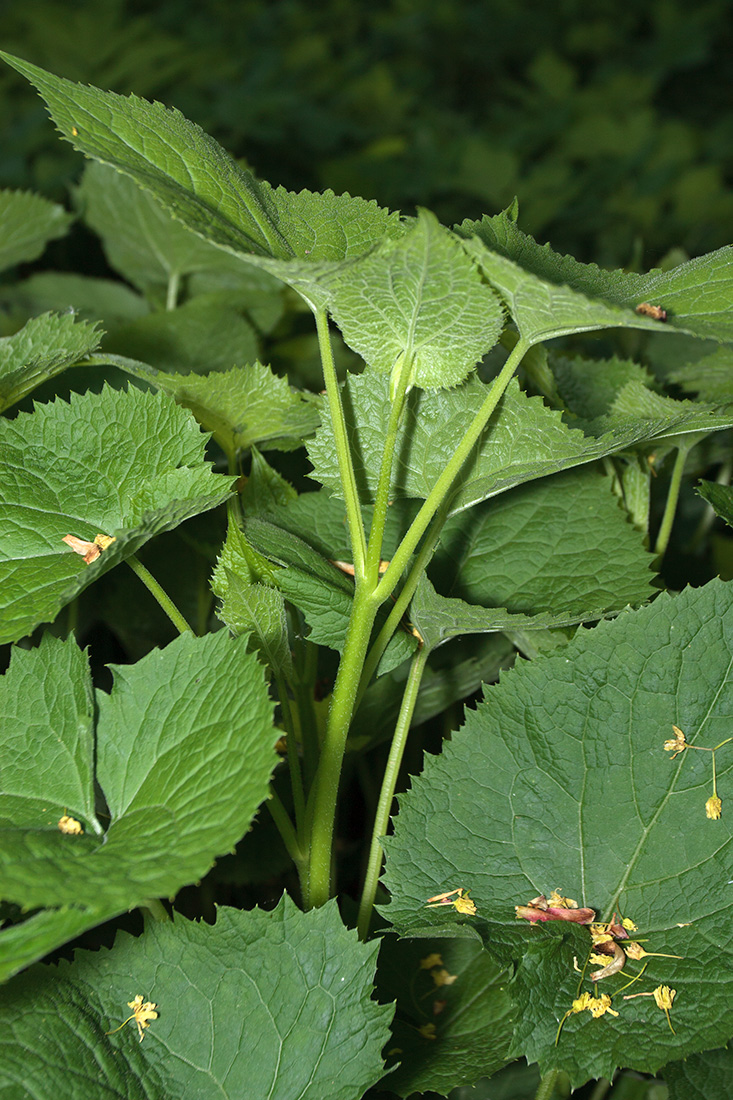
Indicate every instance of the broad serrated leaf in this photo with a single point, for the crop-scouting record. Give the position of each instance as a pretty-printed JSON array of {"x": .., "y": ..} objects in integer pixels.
[
  {"x": 24, "y": 943},
  {"x": 561, "y": 545},
  {"x": 184, "y": 168},
  {"x": 319, "y": 588},
  {"x": 711, "y": 376},
  {"x": 705, "y": 1076},
  {"x": 419, "y": 300},
  {"x": 92, "y": 299},
  {"x": 123, "y": 464},
  {"x": 201, "y": 185},
  {"x": 143, "y": 242},
  {"x": 27, "y": 223},
  {"x": 249, "y": 606},
  {"x": 183, "y": 754},
  {"x": 43, "y": 348},
  {"x": 545, "y": 287},
  {"x": 524, "y": 440},
  {"x": 559, "y": 780},
  {"x": 274, "y": 1004},
  {"x": 205, "y": 334},
  {"x": 457, "y": 994},
  {"x": 719, "y": 497},
  {"x": 240, "y": 407},
  {"x": 614, "y": 394}
]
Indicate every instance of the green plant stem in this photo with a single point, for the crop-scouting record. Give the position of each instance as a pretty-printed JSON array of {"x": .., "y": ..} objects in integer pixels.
[
  {"x": 341, "y": 441},
  {"x": 442, "y": 486},
  {"x": 673, "y": 494},
  {"x": 381, "y": 500},
  {"x": 158, "y": 594},
  {"x": 402, "y": 602},
  {"x": 171, "y": 298},
  {"x": 155, "y": 909},
  {"x": 286, "y": 830},
  {"x": 296, "y": 776},
  {"x": 389, "y": 782},
  {"x": 547, "y": 1085},
  {"x": 322, "y": 802}
]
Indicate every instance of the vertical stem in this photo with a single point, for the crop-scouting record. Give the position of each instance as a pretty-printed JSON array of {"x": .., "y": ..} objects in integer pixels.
[
  {"x": 157, "y": 592},
  {"x": 381, "y": 500},
  {"x": 673, "y": 494},
  {"x": 322, "y": 803},
  {"x": 547, "y": 1085},
  {"x": 171, "y": 299},
  {"x": 154, "y": 908},
  {"x": 389, "y": 782},
  {"x": 343, "y": 450},
  {"x": 451, "y": 470}
]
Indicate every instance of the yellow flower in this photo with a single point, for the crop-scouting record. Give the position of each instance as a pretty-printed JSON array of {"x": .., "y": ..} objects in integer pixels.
[
  {"x": 628, "y": 925},
  {"x": 428, "y": 1031},
  {"x": 597, "y": 1006},
  {"x": 663, "y": 997},
  {"x": 431, "y": 960},
  {"x": 461, "y": 902},
  {"x": 142, "y": 1013},
  {"x": 556, "y": 899},
  {"x": 676, "y": 745},
  {"x": 70, "y": 825},
  {"x": 713, "y": 807}
]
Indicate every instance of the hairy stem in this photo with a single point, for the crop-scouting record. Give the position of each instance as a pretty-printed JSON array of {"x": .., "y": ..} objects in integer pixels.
[
  {"x": 442, "y": 486},
  {"x": 547, "y": 1085},
  {"x": 322, "y": 803},
  {"x": 389, "y": 782},
  {"x": 343, "y": 450}
]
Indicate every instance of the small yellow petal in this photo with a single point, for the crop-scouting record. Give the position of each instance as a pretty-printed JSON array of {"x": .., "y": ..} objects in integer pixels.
[
  {"x": 664, "y": 996},
  {"x": 427, "y": 1031},
  {"x": 443, "y": 977},
  {"x": 431, "y": 960},
  {"x": 713, "y": 807}
]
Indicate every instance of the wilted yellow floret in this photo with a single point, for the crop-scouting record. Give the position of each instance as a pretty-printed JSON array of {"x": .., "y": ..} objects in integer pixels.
[
  {"x": 142, "y": 1013},
  {"x": 443, "y": 977},
  {"x": 677, "y": 744},
  {"x": 628, "y": 925},
  {"x": 597, "y": 1006},
  {"x": 427, "y": 1031},
  {"x": 713, "y": 807},
  {"x": 431, "y": 960}
]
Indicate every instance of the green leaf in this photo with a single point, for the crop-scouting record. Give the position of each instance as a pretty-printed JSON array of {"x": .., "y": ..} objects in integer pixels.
[
  {"x": 463, "y": 995},
  {"x": 711, "y": 376},
  {"x": 703, "y": 1076},
  {"x": 261, "y": 1004},
  {"x": 204, "y": 334},
  {"x": 241, "y": 407},
  {"x": 719, "y": 497},
  {"x": 525, "y": 440},
  {"x": 171, "y": 157},
  {"x": 249, "y": 606},
  {"x": 420, "y": 300},
  {"x": 320, "y": 589},
  {"x": 43, "y": 348},
  {"x": 559, "y": 780},
  {"x": 561, "y": 545},
  {"x": 27, "y": 223},
  {"x": 545, "y": 290},
  {"x": 199, "y": 699},
  {"x": 24, "y": 943},
  {"x": 615, "y": 395},
  {"x": 200, "y": 184},
  {"x": 143, "y": 242},
  {"x": 91, "y": 299},
  {"x": 124, "y": 464}
]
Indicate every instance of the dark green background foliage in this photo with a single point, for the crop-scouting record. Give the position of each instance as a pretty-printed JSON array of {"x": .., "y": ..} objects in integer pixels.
[{"x": 610, "y": 121}]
